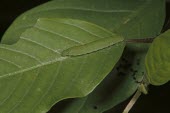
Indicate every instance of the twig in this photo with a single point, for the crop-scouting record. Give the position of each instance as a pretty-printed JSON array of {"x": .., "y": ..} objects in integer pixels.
[{"x": 132, "y": 102}]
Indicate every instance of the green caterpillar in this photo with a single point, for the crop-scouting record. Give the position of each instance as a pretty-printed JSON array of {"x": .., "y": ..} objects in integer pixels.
[{"x": 92, "y": 46}]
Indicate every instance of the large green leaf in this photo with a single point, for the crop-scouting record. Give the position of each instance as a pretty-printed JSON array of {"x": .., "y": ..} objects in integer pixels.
[
  {"x": 34, "y": 75},
  {"x": 157, "y": 60}
]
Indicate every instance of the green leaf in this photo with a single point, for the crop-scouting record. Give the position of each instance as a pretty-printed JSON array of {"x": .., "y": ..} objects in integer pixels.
[
  {"x": 157, "y": 60},
  {"x": 34, "y": 75}
]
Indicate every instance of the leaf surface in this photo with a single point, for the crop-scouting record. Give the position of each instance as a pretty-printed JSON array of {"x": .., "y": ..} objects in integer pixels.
[
  {"x": 34, "y": 75},
  {"x": 157, "y": 60}
]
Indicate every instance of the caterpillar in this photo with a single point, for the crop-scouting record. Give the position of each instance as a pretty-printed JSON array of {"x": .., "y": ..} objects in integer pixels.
[{"x": 92, "y": 46}]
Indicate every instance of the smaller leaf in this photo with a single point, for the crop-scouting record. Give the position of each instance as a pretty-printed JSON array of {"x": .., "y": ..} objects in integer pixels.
[{"x": 157, "y": 60}]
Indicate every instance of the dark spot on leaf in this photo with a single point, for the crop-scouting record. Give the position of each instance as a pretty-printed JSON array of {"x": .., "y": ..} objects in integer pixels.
[
  {"x": 125, "y": 60},
  {"x": 134, "y": 77},
  {"x": 129, "y": 64},
  {"x": 137, "y": 81},
  {"x": 138, "y": 62},
  {"x": 135, "y": 71},
  {"x": 117, "y": 68},
  {"x": 95, "y": 107},
  {"x": 121, "y": 74}
]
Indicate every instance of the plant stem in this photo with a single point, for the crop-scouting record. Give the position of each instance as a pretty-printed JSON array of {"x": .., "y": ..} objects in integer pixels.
[
  {"x": 132, "y": 102},
  {"x": 140, "y": 40}
]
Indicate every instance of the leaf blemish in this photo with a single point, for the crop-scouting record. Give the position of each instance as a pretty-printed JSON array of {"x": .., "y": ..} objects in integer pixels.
[
  {"x": 138, "y": 62},
  {"x": 125, "y": 60},
  {"x": 121, "y": 74},
  {"x": 95, "y": 107},
  {"x": 117, "y": 68}
]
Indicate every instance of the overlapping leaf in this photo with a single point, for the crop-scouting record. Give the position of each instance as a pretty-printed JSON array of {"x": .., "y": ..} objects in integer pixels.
[
  {"x": 157, "y": 60},
  {"x": 34, "y": 75}
]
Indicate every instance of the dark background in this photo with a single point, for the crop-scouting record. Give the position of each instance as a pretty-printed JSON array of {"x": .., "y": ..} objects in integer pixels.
[
  {"x": 10, "y": 9},
  {"x": 158, "y": 99}
]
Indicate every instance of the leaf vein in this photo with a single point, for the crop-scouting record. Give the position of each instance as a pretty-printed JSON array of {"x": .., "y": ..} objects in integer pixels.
[
  {"x": 10, "y": 62},
  {"x": 74, "y": 25},
  {"x": 30, "y": 86},
  {"x": 20, "y": 52},
  {"x": 52, "y": 83},
  {"x": 43, "y": 29},
  {"x": 30, "y": 40}
]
